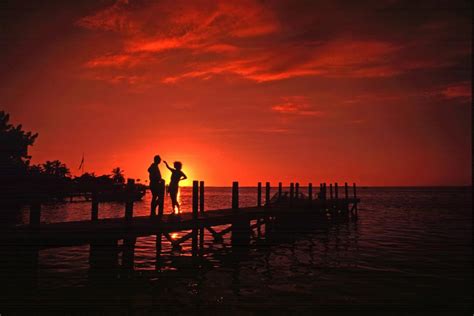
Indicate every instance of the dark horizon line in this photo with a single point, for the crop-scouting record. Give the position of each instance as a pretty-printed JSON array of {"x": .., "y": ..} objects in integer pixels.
[{"x": 342, "y": 185}]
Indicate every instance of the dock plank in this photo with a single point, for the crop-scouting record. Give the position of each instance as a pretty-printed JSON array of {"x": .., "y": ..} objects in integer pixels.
[{"x": 52, "y": 235}]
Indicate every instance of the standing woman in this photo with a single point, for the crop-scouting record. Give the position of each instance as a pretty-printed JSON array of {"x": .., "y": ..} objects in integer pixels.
[{"x": 176, "y": 176}]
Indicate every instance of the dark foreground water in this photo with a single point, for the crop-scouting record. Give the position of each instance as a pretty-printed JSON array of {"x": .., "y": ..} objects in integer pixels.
[{"x": 410, "y": 251}]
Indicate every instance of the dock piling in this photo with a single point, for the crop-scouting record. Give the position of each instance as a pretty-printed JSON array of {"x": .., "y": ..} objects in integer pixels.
[
  {"x": 194, "y": 235},
  {"x": 195, "y": 199},
  {"x": 280, "y": 190},
  {"x": 235, "y": 195},
  {"x": 259, "y": 194},
  {"x": 330, "y": 191},
  {"x": 129, "y": 199},
  {"x": 310, "y": 192},
  {"x": 161, "y": 199},
  {"x": 297, "y": 191},
  {"x": 346, "y": 191},
  {"x": 267, "y": 193},
  {"x": 35, "y": 213},
  {"x": 201, "y": 197},
  {"x": 95, "y": 206},
  {"x": 292, "y": 192},
  {"x": 355, "y": 203},
  {"x": 128, "y": 255},
  {"x": 336, "y": 191}
]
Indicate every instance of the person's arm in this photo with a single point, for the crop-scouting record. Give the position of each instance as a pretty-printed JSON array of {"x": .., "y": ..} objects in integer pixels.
[
  {"x": 183, "y": 176},
  {"x": 169, "y": 168}
]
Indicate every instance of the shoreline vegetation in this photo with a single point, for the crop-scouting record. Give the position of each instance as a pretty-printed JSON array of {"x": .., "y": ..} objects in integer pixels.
[{"x": 22, "y": 182}]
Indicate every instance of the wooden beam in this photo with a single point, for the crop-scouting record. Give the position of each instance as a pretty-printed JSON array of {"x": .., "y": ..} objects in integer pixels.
[{"x": 235, "y": 195}]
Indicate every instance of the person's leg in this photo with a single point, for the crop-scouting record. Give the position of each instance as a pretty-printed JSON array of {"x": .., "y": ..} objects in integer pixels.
[
  {"x": 173, "y": 195},
  {"x": 174, "y": 200},
  {"x": 153, "y": 205},
  {"x": 178, "y": 206},
  {"x": 172, "y": 203},
  {"x": 161, "y": 199}
]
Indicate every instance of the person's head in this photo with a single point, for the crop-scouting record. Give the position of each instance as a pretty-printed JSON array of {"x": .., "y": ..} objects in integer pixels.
[
  {"x": 178, "y": 165},
  {"x": 157, "y": 159}
]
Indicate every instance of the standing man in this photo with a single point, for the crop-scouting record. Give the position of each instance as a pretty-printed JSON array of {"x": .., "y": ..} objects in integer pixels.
[{"x": 157, "y": 186}]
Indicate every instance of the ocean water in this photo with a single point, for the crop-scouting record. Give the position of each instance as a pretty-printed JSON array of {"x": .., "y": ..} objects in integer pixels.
[{"x": 409, "y": 250}]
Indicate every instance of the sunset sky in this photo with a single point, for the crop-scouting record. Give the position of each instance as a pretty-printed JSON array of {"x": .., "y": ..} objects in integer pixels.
[{"x": 375, "y": 92}]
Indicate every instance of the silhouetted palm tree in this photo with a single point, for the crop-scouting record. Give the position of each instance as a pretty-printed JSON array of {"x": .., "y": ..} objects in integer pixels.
[
  {"x": 117, "y": 175},
  {"x": 56, "y": 168}
]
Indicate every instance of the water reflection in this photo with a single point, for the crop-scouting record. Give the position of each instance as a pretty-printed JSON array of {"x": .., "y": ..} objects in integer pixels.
[{"x": 395, "y": 254}]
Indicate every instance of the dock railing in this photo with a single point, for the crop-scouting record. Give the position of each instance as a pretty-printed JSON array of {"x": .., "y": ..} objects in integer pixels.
[{"x": 292, "y": 197}]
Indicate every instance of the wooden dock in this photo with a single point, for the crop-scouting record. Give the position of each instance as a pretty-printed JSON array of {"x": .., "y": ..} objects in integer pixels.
[
  {"x": 111, "y": 242},
  {"x": 293, "y": 204}
]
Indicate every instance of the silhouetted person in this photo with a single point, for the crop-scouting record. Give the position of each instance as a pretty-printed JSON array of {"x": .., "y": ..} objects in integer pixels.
[
  {"x": 176, "y": 176},
  {"x": 156, "y": 186}
]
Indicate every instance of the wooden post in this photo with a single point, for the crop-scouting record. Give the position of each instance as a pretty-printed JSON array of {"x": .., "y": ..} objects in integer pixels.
[
  {"x": 292, "y": 192},
  {"x": 280, "y": 190},
  {"x": 201, "y": 197},
  {"x": 128, "y": 254},
  {"x": 194, "y": 242},
  {"x": 95, "y": 206},
  {"x": 158, "y": 247},
  {"x": 330, "y": 191},
  {"x": 297, "y": 191},
  {"x": 310, "y": 192},
  {"x": 201, "y": 240},
  {"x": 325, "y": 191},
  {"x": 35, "y": 213},
  {"x": 129, "y": 192},
  {"x": 355, "y": 203},
  {"x": 103, "y": 260},
  {"x": 267, "y": 193},
  {"x": 161, "y": 199},
  {"x": 235, "y": 195},
  {"x": 336, "y": 191},
  {"x": 259, "y": 194},
  {"x": 195, "y": 199},
  {"x": 346, "y": 191},
  {"x": 194, "y": 236}
]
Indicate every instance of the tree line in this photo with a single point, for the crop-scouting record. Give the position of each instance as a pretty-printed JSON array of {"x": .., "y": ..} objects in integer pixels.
[{"x": 21, "y": 181}]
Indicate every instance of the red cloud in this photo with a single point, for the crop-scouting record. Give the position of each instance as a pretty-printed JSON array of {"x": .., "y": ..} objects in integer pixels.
[
  {"x": 458, "y": 90},
  {"x": 296, "y": 105},
  {"x": 203, "y": 39}
]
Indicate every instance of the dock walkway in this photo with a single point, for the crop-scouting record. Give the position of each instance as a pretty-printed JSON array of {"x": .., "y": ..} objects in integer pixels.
[{"x": 292, "y": 204}]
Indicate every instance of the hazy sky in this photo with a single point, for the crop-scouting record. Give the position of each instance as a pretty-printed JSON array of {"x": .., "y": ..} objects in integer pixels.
[{"x": 377, "y": 93}]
